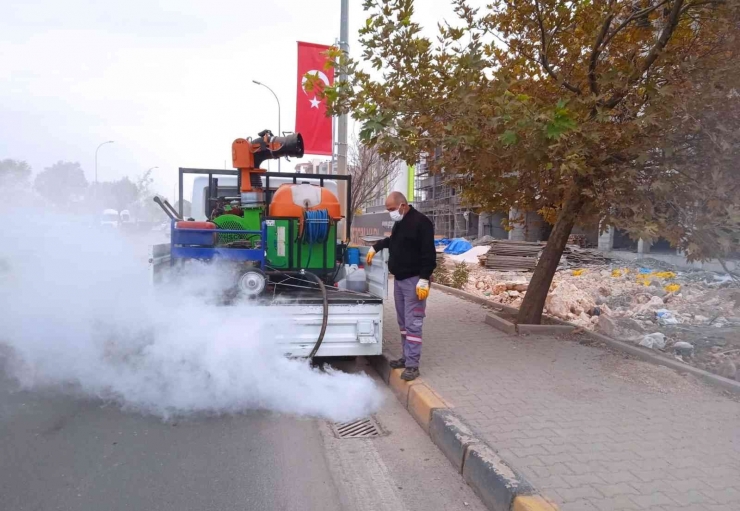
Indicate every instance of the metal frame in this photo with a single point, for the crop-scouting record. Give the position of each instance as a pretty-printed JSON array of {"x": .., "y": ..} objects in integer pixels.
[
  {"x": 268, "y": 193},
  {"x": 208, "y": 172},
  {"x": 207, "y": 253},
  {"x": 244, "y": 254}
]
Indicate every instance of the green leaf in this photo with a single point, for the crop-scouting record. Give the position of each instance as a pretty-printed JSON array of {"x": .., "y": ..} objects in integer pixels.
[{"x": 508, "y": 138}]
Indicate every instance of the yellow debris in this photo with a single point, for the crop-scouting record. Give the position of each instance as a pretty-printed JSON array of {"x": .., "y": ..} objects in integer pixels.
[
  {"x": 577, "y": 273},
  {"x": 616, "y": 273},
  {"x": 643, "y": 279},
  {"x": 664, "y": 274},
  {"x": 672, "y": 288}
]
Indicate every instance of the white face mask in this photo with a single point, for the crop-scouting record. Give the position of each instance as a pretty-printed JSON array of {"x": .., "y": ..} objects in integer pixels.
[{"x": 396, "y": 215}]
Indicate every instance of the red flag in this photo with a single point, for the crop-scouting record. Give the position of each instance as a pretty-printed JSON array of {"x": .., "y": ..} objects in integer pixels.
[{"x": 310, "y": 111}]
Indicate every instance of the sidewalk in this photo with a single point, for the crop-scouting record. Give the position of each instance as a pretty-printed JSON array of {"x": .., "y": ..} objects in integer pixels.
[{"x": 590, "y": 428}]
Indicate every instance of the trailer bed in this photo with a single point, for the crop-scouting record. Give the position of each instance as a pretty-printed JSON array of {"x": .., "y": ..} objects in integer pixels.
[
  {"x": 311, "y": 297},
  {"x": 292, "y": 316}
]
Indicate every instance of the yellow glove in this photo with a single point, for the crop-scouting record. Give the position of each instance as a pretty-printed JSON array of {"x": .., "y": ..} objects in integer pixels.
[
  {"x": 370, "y": 255},
  {"x": 422, "y": 289}
]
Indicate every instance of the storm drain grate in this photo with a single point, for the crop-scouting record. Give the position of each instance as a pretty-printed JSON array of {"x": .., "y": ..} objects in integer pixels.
[{"x": 361, "y": 428}]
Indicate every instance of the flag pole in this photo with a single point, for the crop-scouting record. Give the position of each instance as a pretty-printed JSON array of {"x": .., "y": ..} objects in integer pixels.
[{"x": 342, "y": 122}]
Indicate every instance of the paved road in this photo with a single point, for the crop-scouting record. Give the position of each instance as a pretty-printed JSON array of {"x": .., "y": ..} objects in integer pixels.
[{"x": 64, "y": 453}]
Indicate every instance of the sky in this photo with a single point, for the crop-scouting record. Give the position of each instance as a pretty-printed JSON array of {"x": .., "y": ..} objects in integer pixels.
[{"x": 170, "y": 82}]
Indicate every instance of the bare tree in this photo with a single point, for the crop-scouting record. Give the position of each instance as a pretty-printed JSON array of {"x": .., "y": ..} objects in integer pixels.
[{"x": 371, "y": 174}]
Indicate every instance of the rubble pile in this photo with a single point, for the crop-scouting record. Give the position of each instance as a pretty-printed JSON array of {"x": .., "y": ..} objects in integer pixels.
[{"x": 693, "y": 316}]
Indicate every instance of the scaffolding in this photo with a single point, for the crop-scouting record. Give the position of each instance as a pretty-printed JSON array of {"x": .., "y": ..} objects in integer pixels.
[{"x": 440, "y": 201}]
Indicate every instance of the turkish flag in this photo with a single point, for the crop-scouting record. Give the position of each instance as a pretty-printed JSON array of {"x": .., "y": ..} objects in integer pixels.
[{"x": 311, "y": 120}]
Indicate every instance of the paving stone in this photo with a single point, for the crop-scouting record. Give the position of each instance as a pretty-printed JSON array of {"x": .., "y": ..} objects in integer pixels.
[
  {"x": 691, "y": 497},
  {"x": 652, "y": 500},
  {"x": 618, "y": 503},
  {"x": 565, "y": 409},
  {"x": 611, "y": 490}
]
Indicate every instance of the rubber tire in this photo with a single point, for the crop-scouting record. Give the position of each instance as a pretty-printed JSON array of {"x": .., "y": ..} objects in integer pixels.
[{"x": 252, "y": 283}]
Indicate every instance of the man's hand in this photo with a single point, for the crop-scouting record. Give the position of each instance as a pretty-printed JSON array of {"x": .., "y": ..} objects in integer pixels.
[
  {"x": 422, "y": 289},
  {"x": 370, "y": 255}
]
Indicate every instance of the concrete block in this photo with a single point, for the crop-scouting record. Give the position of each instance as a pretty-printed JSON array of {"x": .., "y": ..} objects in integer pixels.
[
  {"x": 422, "y": 402},
  {"x": 501, "y": 324},
  {"x": 494, "y": 481},
  {"x": 401, "y": 387},
  {"x": 532, "y": 503},
  {"x": 544, "y": 329},
  {"x": 451, "y": 435}
]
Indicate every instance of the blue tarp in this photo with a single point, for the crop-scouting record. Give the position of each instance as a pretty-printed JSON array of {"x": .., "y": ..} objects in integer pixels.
[
  {"x": 458, "y": 246},
  {"x": 442, "y": 242}
]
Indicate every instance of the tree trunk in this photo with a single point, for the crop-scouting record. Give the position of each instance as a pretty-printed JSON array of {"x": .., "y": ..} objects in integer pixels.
[{"x": 534, "y": 301}]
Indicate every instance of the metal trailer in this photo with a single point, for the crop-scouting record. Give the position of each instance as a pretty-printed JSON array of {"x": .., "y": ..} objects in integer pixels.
[{"x": 293, "y": 315}]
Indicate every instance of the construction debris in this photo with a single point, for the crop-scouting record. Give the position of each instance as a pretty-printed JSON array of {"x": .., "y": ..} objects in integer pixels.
[
  {"x": 696, "y": 312},
  {"x": 506, "y": 255},
  {"x": 472, "y": 256},
  {"x": 579, "y": 240},
  {"x": 577, "y": 256}
]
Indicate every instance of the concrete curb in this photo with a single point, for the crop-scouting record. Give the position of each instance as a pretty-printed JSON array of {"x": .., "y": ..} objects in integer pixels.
[
  {"x": 498, "y": 485},
  {"x": 510, "y": 328},
  {"x": 637, "y": 351},
  {"x": 544, "y": 329},
  {"x": 500, "y": 323}
]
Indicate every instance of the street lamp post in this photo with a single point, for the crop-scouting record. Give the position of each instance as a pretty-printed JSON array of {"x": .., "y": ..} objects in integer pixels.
[
  {"x": 96, "y": 160},
  {"x": 280, "y": 133}
]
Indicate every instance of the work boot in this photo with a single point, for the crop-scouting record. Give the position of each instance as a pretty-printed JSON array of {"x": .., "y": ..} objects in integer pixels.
[
  {"x": 410, "y": 373},
  {"x": 398, "y": 364}
]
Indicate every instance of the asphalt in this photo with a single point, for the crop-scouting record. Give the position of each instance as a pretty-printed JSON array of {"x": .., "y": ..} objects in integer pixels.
[{"x": 59, "y": 452}]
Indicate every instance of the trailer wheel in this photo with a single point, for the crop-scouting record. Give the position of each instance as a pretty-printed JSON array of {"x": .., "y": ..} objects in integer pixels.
[{"x": 252, "y": 283}]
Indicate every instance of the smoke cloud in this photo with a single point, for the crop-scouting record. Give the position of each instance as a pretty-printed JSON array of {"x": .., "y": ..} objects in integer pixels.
[{"x": 79, "y": 315}]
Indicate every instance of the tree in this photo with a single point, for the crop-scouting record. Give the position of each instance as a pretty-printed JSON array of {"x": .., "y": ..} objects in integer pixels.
[
  {"x": 552, "y": 105},
  {"x": 371, "y": 173},
  {"x": 62, "y": 184},
  {"x": 13, "y": 173},
  {"x": 119, "y": 195}
]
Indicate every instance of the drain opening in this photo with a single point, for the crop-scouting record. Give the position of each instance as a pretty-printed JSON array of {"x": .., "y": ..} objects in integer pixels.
[{"x": 361, "y": 428}]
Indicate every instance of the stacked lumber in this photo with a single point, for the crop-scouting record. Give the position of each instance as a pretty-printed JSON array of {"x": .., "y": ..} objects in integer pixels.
[
  {"x": 577, "y": 256},
  {"x": 507, "y": 255}
]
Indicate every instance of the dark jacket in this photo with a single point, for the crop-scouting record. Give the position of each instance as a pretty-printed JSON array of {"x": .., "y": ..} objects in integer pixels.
[{"x": 411, "y": 246}]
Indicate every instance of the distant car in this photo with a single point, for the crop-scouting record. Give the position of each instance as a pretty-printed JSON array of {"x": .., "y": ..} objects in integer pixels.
[{"x": 110, "y": 218}]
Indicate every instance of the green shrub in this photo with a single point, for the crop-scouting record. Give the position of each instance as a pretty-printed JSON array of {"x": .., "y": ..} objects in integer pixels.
[{"x": 460, "y": 275}]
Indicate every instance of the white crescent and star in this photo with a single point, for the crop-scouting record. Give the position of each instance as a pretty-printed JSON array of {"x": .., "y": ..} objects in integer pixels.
[{"x": 322, "y": 76}]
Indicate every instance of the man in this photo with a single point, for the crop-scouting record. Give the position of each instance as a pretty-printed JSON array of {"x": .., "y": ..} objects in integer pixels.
[{"x": 412, "y": 261}]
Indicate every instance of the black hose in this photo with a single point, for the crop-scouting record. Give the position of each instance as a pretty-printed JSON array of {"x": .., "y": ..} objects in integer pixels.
[{"x": 325, "y": 318}]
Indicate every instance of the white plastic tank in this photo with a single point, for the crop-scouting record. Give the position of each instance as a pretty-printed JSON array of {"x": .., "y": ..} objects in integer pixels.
[{"x": 356, "y": 279}]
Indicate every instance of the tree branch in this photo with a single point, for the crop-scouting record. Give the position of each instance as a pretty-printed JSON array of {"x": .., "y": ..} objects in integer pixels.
[
  {"x": 633, "y": 17},
  {"x": 731, "y": 273},
  {"x": 699, "y": 3},
  {"x": 596, "y": 52},
  {"x": 543, "y": 53},
  {"x": 652, "y": 56}
]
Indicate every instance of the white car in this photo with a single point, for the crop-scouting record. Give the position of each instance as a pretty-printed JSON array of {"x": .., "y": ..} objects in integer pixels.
[{"x": 110, "y": 218}]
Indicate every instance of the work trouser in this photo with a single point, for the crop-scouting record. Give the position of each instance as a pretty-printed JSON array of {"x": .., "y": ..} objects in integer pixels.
[{"x": 410, "y": 312}]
